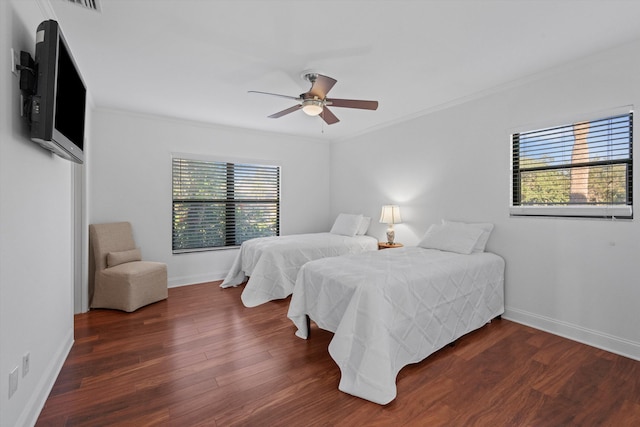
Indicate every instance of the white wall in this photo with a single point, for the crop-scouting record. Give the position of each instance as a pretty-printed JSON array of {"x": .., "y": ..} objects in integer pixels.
[
  {"x": 130, "y": 180},
  {"x": 577, "y": 278},
  {"x": 36, "y": 301}
]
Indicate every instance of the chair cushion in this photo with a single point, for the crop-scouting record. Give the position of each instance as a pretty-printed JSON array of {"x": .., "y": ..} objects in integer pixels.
[
  {"x": 117, "y": 258},
  {"x": 130, "y": 286}
]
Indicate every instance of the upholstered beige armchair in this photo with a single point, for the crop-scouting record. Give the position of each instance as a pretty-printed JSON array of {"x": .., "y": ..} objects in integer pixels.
[{"x": 121, "y": 280}]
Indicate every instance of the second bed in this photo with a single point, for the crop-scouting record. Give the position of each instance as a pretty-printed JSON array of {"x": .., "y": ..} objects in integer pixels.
[{"x": 271, "y": 263}]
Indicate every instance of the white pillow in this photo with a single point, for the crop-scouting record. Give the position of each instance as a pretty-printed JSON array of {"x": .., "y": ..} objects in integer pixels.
[
  {"x": 451, "y": 237},
  {"x": 346, "y": 224},
  {"x": 486, "y": 228},
  {"x": 364, "y": 226}
]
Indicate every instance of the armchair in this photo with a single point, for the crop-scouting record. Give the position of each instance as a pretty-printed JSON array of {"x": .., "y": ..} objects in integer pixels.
[{"x": 121, "y": 280}]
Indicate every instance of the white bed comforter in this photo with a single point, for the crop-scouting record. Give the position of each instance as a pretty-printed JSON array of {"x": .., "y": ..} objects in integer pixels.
[
  {"x": 394, "y": 307},
  {"x": 272, "y": 263}
]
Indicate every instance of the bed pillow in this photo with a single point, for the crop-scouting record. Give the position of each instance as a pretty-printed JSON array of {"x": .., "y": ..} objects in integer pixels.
[
  {"x": 346, "y": 224},
  {"x": 364, "y": 226},
  {"x": 451, "y": 238},
  {"x": 117, "y": 258},
  {"x": 486, "y": 228}
]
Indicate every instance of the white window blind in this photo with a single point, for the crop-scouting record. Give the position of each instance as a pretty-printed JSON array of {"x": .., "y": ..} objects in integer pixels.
[
  {"x": 583, "y": 169},
  {"x": 222, "y": 204}
]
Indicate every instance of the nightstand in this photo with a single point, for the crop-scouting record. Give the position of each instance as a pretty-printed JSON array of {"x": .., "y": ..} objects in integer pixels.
[{"x": 385, "y": 245}]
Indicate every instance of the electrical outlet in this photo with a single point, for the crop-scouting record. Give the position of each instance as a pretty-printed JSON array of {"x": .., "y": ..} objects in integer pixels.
[
  {"x": 13, "y": 381},
  {"x": 25, "y": 364},
  {"x": 15, "y": 60}
]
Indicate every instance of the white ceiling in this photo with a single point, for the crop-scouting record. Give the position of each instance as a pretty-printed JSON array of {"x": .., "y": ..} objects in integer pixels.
[{"x": 196, "y": 60}]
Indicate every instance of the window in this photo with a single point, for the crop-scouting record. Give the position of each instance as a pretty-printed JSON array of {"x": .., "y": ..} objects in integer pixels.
[
  {"x": 221, "y": 204},
  {"x": 583, "y": 169}
]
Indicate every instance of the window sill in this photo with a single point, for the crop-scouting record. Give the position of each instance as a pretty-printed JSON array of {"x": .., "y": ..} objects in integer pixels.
[
  {"x": 190, "y": 251},
  {"x": 625, "y": 212}
]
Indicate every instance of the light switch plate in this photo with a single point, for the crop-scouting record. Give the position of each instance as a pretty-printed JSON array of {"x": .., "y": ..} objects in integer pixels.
[
  {"x": 15, "y": 60},
  {"x": 13, "y": 381}
]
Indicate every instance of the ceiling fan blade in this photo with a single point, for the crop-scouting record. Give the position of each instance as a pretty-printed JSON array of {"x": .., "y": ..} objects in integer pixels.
[
  {"x": 328, "y": 116},
  {"x": 284, "y": 112},
  {"x": 297, "y": 98},
  {"x": 321, "y": 86},
  {"x": 353, "y": 103}
]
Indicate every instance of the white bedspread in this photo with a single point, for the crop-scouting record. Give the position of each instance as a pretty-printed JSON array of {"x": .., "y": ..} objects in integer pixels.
[
  {"x": 272, "y": 263},
  {"x": 394, "y": 307}
]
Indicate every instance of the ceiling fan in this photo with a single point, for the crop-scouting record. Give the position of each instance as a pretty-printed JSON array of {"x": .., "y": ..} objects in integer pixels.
[{"x": 315, "y": 101}]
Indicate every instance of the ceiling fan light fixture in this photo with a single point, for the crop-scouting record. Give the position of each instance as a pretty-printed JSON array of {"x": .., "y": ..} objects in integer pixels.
[{"x": 312, "y": 107}]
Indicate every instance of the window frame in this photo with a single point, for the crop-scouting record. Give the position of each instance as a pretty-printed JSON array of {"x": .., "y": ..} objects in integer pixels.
[
  {"x": 573, "y": 210},
  {"x": 229, "y": 164}
]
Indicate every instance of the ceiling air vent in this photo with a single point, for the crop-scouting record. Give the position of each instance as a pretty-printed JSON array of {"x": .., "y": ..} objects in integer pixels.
[{"x": 89, "y": 4}]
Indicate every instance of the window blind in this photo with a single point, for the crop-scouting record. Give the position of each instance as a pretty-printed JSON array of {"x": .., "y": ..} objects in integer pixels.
[
  {"x": 580, "y": 169},
  {"x": 222, "y": 204}
]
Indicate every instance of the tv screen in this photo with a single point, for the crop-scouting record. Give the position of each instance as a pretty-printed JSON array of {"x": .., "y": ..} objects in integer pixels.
[{"x": 58, "y": 105}]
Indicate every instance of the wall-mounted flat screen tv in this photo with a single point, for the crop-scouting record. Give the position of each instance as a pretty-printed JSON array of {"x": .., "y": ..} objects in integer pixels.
[{"x": 59, "y": 103}]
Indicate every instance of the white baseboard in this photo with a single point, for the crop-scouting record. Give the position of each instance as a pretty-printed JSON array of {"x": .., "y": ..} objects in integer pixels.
[
  {"x": 578, "y": 333},
  {"x": 175, "y": 282},
  {"x": 37, "y": 400}
]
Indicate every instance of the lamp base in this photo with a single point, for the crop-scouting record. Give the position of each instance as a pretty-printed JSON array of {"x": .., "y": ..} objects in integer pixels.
[{"x": 391, "y": 235}]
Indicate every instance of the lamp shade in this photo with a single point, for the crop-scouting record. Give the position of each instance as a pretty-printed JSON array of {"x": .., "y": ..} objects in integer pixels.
[{"x": 390, "y": 214}]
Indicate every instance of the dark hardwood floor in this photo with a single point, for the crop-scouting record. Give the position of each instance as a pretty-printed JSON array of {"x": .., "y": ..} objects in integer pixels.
[{"x": 201, "y": 358}]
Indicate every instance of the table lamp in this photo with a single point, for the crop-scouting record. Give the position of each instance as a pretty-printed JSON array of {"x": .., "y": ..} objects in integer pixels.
[{"x": 390, "y": 215}]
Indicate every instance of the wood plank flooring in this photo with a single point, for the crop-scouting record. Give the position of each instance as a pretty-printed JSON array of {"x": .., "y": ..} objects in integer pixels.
[{"x": 201, "y": 358}]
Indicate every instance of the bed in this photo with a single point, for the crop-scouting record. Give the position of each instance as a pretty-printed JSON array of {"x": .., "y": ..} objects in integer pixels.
[
  {"x": 394, "y": 307},
  {"x": 272, "y": 263}
]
